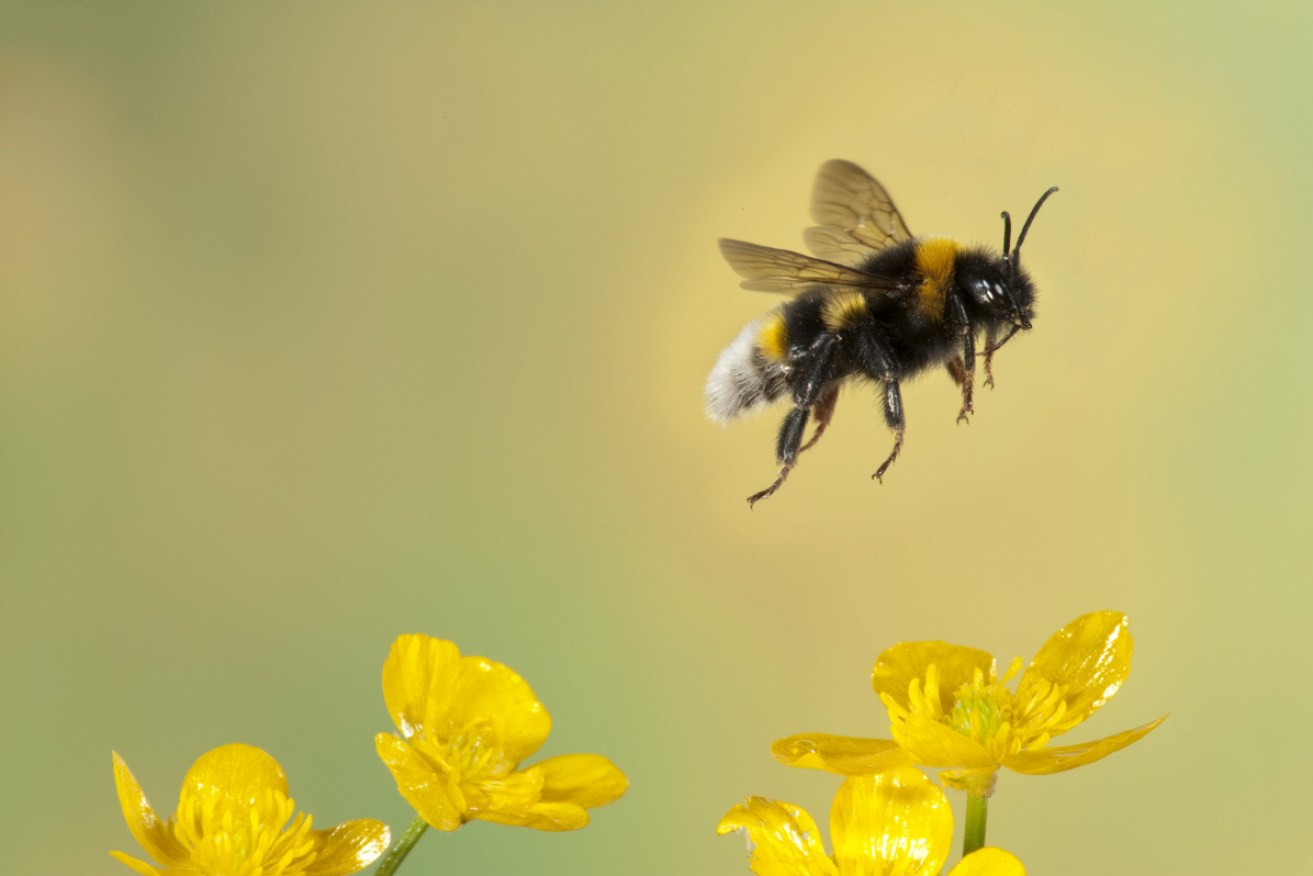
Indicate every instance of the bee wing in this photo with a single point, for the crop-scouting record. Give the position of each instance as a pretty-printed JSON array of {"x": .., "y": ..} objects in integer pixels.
[
  {"x": 856, "y": 216},
  {"x": 766, "y": 269}
]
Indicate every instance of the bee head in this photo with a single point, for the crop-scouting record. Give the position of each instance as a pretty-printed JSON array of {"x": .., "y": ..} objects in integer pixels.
[
  {"x": 999, "y": 293},
  {"x": 1016, "y": 287}
]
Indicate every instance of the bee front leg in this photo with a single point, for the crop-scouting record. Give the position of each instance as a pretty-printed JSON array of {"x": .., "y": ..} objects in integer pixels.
[
  {"x": 991, "y": 347},
  {"x": 966, "y": 363},
  {"x": 968, "y": 377}
]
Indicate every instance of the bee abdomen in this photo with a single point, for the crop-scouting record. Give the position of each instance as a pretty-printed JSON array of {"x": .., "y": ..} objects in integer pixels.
[{"x": 745, "y": 377}]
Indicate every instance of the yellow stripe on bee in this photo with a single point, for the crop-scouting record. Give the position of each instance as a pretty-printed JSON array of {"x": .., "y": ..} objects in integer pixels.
[
  {"x": 773, "y": 339},
  {"x": 842, "y": 309},
  {"x": 936, "y": 259}
]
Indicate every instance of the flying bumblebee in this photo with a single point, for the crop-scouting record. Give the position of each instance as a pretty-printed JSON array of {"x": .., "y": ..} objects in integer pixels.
[{"x": 876, "y": 303}]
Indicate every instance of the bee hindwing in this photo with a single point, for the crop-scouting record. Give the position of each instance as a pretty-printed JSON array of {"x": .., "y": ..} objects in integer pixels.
[{"x": 743, "y": 379}]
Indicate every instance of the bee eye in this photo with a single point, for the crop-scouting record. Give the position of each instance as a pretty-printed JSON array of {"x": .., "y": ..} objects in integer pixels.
[{"x": 985, "y": 291}]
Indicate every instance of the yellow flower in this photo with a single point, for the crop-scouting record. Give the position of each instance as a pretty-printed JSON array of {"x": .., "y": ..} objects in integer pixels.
[
  {"x": 233, "y": 820},
  {"x": 949, "y": 709},
  {"x": 467, "y": 723},
  {"x": 897, "y": 822}
]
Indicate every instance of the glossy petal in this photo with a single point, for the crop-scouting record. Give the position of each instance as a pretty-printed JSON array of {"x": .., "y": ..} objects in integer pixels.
[
  {"x": 147, "y": 829},
  {"x": 1088, "y": 659},
  {"x": 430, "y": 793},
  {"x": 845, "y": 755},
  {"x": 1047, "y": 761},
  {"x": 140, "y": 866},
  {"x": 539, "y": 816},
  {"x": 934, "y": 744},
  {"x": 898, "y": 666},
  {"x": 586, "y": 780},
  {"x": 989, "y": 861},
  {"x": 428, "y": 686},
  {"x": 895, "y": 822},
  {"x": 418, "y": 672},
  {"x": 348, "y": 848},
  {"x": 782, "y": 838}
]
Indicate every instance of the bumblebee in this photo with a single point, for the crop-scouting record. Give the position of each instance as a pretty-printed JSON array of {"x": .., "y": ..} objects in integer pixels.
[{"x": 875, "y": 303}]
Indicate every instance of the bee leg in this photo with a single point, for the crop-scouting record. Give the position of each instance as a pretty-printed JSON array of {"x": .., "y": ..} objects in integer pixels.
[
  {"x": 990, "y": 348},
  {"x": 963, "y": 367},
  {"x": 879, "y": 366},
  {"x": 786, "y": 450},
  {"x": 968, "y": 376},
  {"x": 815, "y": 374},
  {"x": 823, "y": 410},
  {"x": 893, "y": 415}
]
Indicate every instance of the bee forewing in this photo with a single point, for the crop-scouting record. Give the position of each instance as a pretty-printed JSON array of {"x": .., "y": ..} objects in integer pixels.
[
  {"x": 766, "y": 269},
  {"x": 837, "y": 245},
  {"x": 851, "y": 200}
]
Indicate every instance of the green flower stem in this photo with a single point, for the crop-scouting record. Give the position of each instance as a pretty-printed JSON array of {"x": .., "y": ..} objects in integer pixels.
[
  {"x": 977, "y": 814},
  {"x": 392, "y": 859}
]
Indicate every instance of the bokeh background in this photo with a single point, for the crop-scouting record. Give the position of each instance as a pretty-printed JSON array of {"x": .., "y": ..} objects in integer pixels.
[{"x": 324, "y": 322}]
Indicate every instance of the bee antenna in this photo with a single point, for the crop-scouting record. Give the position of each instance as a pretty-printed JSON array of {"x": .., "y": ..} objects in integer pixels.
[
  {"x": 1007, "y": 233},
  {"x": 1029, "y": 219}
]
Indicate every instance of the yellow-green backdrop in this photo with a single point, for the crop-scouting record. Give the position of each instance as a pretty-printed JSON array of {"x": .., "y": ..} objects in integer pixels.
[{"x": 323, "y": 322}]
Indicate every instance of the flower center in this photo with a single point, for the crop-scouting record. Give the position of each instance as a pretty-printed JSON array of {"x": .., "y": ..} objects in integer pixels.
[
  {"x": 465, "y": 753},
  {"x": 978, "y": 713},
  {"x": 229, "y": 837}
]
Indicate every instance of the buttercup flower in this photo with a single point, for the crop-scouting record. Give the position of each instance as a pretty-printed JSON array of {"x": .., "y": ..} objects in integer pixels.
[
  {"x": 233, "y": 820},
  {"x": 466, "y": 724},
  {"x": 949, "y": 709},
  {"x": 897, "y": 822}
]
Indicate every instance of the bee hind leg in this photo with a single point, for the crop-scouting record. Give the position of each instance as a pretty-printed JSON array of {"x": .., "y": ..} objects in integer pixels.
[
  {"x": 823, "y": 410},
  {"x": 787, "y": 450},
  {"x": 811, "y": 389}
]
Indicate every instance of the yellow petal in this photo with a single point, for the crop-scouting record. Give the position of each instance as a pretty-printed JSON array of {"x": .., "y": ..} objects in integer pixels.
[
  {"x": 428, "y": 685},
  {"x": 845, "y": 755},
  {"x": 895, "y": 822},
  {"x": 585, "y": 780},
  {"x": 147, "y": 829},
  {"x": 1088, "y": 659},
  {"x": 1046, "y": 761},
  {"x": 933, "y": 744},
  {"x": 511, "y": 793},
  {"x": 896, "y": 668},
  {"x": 350, "y": 847},
  {"x": 539, "y": 816},
  {"x": 782, "y": 838},
  {"x": 431, "y": 794},
  {"x": 418, "y": 671},
  {"x": 989, "y": 861},
  {"x": 140, "y": 866}
]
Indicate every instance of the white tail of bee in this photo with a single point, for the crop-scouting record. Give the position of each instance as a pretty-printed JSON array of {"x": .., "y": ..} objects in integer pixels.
[{"x": 743, "y": 380}]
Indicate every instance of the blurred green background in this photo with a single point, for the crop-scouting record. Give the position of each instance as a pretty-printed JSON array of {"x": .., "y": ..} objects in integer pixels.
[{"x": 324, "y": 322}]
